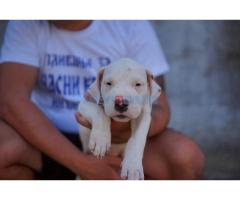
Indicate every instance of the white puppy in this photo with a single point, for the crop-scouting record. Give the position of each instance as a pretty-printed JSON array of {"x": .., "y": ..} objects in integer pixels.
[{"x": 123, "y": 91}]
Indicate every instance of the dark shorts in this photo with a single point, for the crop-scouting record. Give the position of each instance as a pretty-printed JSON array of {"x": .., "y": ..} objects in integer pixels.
[{"x": 52, "y": 170}]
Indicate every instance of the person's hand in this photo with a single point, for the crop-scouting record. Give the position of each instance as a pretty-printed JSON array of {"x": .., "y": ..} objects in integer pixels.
[
  {"x": 105, "y": 169},
  {"x": 108, "y": 167},
  {"x": 121, "y": 131}
]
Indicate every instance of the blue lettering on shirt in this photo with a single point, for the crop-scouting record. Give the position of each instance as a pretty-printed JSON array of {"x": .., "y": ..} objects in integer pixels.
[
  {"x": 57, "y": 85},
  {"x": 60, "y": 85},
  {"x": 57, "y": 102},
  {"x": 43, "y": 80},
  {"x": 60, "y": 103},
  {"x": 67, "y": 85},
  {"x": 87, "y": 81},
  {"x": 71, "y": 105},
  {"x": 50, "y": 82},
  {"x": 76, "y": 85},
  {"x": 63, "y": 85},
  {"x": 54, "y": 60}
]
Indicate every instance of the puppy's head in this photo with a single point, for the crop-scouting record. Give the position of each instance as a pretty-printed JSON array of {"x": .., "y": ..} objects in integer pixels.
[{"x": 125, "y": 88}]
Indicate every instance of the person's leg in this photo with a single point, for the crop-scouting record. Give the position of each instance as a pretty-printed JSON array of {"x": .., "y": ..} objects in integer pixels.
[
  {"x": 171, "y": 155},
  {"x": 52, "y": 170},
  {"x": 18, "y": 159}
]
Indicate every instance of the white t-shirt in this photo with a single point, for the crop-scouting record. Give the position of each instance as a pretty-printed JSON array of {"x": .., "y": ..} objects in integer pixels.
[{"x": 68, "y": 60}]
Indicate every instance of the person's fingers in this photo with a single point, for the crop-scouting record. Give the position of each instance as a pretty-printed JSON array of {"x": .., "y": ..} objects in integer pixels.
[
  {"x": 83, "y": 121},
  {"x": 113, "y": 161},
  {"x": 112, "y": 166},
  {"x": 116, "y": 176}
]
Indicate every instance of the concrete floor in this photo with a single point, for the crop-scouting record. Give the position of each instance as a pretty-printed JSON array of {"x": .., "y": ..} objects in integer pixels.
[{"x": 203, "y": 88}]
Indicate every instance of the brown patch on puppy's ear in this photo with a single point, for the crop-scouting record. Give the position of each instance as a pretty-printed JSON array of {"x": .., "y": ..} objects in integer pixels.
[
  {"x": 149, "y": 81},
  {"x": 95, "y": 89},
  {"x": 154, "y": 88}
]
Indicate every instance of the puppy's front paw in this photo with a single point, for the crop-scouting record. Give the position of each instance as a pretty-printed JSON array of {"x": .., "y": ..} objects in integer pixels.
[
  {"x": 132, "y": 170},
  {"x": 99, "y": 142}
]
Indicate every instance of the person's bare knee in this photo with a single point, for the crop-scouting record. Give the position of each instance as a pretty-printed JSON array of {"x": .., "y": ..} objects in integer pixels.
[
  {"x": 173, "y": 156},
  {"x": 18, "y": 152},
  {"x": 16, "y": 172},
  {"x": 10, "y": 165},
  {"x": 186, "y": 160},
  {"x": 154, "y": 163},
  {"x": 18, "y": 159}
]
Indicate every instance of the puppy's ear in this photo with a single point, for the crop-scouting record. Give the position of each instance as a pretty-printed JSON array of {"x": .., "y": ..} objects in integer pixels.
[
  {"x": 154, "y": 88},
  {"x": 95, "y": 88}
]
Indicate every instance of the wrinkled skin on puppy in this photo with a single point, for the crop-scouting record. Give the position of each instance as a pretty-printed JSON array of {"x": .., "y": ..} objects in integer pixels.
[{"x": 127, "y": 79}]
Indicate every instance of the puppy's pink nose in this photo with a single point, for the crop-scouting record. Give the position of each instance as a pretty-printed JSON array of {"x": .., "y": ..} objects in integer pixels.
[
  {"x": 121, "y": 104},
  {"x": 118, "y": 100}
]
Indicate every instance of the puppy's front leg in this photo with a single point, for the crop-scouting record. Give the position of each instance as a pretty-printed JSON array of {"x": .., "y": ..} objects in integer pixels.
[
  {"x": 100, "y": 136},
  {"x": 132, "y": 167}
]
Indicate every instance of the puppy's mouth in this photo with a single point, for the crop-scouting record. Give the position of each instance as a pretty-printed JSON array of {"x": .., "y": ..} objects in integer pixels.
[{"x": 121, "y": 116}]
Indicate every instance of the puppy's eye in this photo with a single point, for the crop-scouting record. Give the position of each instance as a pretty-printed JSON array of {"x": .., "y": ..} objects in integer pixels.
[
  {"x": 108, "y": 83},
  {"x": 138, "y": 84}
]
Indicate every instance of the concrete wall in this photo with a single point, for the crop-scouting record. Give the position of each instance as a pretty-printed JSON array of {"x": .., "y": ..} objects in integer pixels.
[
  {"x": 2, "y": 30},
  {"x": 203, "y": 88}
]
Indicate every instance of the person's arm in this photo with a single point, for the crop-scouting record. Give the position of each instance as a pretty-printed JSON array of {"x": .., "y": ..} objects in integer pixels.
[
  {"x": 160, "y": 111},
  {"x": 16, "y": 108}
]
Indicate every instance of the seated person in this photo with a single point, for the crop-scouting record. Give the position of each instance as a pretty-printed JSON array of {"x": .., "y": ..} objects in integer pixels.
[{"x": 46, "y": 67}]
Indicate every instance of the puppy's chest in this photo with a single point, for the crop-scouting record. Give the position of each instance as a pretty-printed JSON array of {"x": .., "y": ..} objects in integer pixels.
[{"x": 117, "y": 149}]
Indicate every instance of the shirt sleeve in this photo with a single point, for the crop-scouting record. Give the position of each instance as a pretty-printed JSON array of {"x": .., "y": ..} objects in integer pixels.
[
  {"x": 20, "y": 43},
  {"x": 146, "y": 49}
]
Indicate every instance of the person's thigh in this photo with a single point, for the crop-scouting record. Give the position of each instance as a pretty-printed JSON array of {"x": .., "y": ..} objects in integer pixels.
[
  {"x": 172, "y": 155},
  {"x": 16, "y": 154}
]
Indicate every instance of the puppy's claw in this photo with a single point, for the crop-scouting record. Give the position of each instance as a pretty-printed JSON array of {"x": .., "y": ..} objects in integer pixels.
[
  {"x": 108, "y": 146},
  {"x": 132, "y": 171},
  {"x": 92, "y": 145},
  {"x": 124, "y": 173},
  {"x": 103, "y": 151},
  {"x": 99, "y": 143},
  {"x": 135, "y": 175}
]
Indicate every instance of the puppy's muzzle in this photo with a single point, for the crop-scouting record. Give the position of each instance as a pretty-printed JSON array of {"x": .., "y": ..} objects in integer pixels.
[{"x": 121, "y": 104}]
